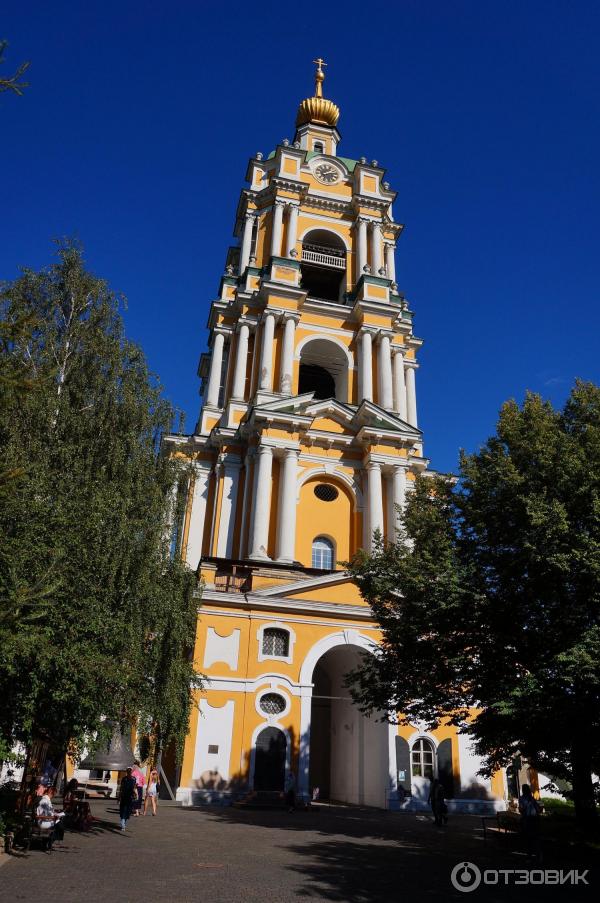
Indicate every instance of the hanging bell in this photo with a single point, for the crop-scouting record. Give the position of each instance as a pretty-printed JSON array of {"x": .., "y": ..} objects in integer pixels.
[{"x": 115, "y": 755}]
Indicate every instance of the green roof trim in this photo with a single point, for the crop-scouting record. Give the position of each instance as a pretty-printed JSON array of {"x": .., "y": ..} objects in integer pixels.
[{"x": 350, "y": 164}]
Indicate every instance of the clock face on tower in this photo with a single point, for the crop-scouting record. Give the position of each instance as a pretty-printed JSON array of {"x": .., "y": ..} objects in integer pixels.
[{"x": 326, "y": 173}]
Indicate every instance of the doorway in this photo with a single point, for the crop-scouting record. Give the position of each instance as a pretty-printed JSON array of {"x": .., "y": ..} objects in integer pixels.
[
  {"x": 349, "y": 753},
  {"x": 269, "y": 762}
]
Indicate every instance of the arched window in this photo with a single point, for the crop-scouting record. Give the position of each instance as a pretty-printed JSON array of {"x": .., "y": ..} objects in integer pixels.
[
  {"x": 318, "y": 147},
  {"x": 422, "y": 759},
  {"x": 322, "y": 554},
  {"x": 275, "y": 642}
]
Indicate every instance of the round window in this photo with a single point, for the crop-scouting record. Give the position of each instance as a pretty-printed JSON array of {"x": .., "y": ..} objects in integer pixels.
[
  {"x": 326, "y": 492},
  {"x": 272, "y": 703}
]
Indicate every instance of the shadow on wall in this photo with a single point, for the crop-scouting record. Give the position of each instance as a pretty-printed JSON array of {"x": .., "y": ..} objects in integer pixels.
[
  {"x": 475, "y": 791},
  {"x": 264, "y": 768}
]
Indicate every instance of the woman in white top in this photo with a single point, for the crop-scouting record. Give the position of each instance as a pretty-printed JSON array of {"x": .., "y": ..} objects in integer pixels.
[{"x": 151, "y": 791}]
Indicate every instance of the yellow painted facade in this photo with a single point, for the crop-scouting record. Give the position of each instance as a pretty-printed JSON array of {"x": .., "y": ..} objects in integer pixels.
[{"x": 306, "y": 444}]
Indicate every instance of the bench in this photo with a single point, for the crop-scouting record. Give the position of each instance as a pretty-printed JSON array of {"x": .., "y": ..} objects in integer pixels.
[{"x": 502, "y": 823}]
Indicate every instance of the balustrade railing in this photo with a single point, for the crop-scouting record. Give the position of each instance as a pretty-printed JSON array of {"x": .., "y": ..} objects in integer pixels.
[{"x": 329, "y": 257}]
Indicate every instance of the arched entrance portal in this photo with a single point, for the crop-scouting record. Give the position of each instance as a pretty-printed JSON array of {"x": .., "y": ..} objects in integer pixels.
[
  {"x": 349, "y": 753},
  {"x": 269, "y": 764}
]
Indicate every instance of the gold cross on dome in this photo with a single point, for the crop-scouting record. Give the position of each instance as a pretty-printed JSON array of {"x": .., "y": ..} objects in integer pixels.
[{"x": 319, "y": 76}]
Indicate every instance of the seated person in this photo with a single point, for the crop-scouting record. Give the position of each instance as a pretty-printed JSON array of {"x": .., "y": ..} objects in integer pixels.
[
  {"x": 48, "y": 818},
  {"x": 70, "y": 798}
]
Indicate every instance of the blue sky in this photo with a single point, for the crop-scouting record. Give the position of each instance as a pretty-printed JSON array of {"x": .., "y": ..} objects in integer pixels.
[{"x": 141, "y": 116}]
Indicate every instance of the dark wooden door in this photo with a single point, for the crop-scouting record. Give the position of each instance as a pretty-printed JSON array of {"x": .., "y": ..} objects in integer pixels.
[{"x": 269, "y": 764}]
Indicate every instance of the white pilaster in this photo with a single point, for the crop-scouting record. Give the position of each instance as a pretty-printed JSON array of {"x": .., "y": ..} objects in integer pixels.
[
  {"x": 193, "y": 550},
  {"x": 246, "y": 241},
  {"x": 277, "y": 229},
  {"x": 231, "y": 479},
  {"x": 265, "y": 380},
  {"x": 245, "y": 502},
  {"x": 216, "y": 362},
  {"x": 375, "y": 499},
  {"x": 262, "y": 503},
  {"x": 375, "y": 248},
  {"x": 286, "y": 522},
  {"x": 287, "y": 356},
  {"x": 399, "y": 386},
  {"x": 361, "y": 256},
  {"x": 411, "y": 397},
  {"x": 385, "y": 373},
  {"x": 398, "y": 499},
  {"x": 366, "y": 367},
  {"x": 390, "y": 261},
  {"x": 292, "y": 228},
  {"x": 241, "y": 363}
]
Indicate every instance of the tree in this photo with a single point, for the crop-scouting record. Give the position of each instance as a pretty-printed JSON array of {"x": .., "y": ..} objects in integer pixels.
[
  {"x": 95, "y": 619},
  {"x": 492, "y": 600},
  {"x": 13, "y": 82}
]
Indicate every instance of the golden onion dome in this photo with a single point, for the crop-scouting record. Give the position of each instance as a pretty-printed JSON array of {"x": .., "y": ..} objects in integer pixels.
[{"x": 317, "y": 109}]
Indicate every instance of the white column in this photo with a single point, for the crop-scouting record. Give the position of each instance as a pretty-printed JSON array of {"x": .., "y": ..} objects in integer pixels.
[
  {"x": 411, "y": 397},
  {"x": 246, "y": 241},
  {"x": 375, "y": 499},
  {"x": 286, "y": 522},
  {"x": 259, "y": 534},
  {"x": 241, "y": 363},
  {"x": 287, "y": 356},
  {"x": 398, "y": 499},
  {"x": 193, "y": 551},
  {"x": 231, "y": 479},
  {"x": 366, "y": 368},
  {"x": 245, "y": 501},
  {"x": 265, "y": 381},
  {"x": 399, "y": 386},
  {"x": 292, "y": 228},
  {"x": 216, "y": 362},
  {"x": 361, "y": 251},
  {"x": 390, "y": 261},
  {"x": 385, "y": 373},
  {"x": 375, "y": 248},
  {"x": 277, "y": 229}
]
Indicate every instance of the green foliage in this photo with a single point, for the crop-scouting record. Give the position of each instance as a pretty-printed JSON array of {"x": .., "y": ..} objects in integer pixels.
[
  {"x": 95, "y": 620},
  {"x": 494, "y": 599}
]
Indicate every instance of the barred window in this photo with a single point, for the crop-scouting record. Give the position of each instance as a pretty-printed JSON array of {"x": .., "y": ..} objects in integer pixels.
[
  {"x": 422, "y": 759},
  {"x": 272, "y": 703},
  {"x": 276, "y": 642}
]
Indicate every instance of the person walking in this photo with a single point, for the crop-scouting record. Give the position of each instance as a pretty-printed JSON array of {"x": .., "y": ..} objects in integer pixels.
[
  {"x": 530, "y": 823},
  {"x": 437, "y": 801},
  {"x": 127, "y": 797},
  {"x": 140, "y": 781},
  {"x": 290, "y": 791},
  {"x": 151, "y": 791}
]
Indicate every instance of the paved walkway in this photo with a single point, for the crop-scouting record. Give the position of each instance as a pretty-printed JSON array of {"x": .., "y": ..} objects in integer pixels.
[{"x": 230, "y": 856}]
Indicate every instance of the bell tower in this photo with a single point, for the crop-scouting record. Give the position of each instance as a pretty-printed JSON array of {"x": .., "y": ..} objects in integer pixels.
[
  {"x": 310, "y": 372},
  {"x": 306, "y": 446}
]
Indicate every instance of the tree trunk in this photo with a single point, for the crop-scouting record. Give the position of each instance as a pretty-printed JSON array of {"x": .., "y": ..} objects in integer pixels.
[{"x": 583, "y": 787}]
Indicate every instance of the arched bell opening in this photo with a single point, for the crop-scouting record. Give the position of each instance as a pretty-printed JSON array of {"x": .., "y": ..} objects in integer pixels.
[
  {"x": 323, "y": 370},
  {"x": 323, "y": 266}
]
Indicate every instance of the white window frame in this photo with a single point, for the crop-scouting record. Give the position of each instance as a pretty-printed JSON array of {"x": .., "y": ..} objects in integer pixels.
[
  {"x": 278, "y": 625},
  {"x": 330, "y": 540},
  {"x": 433, "y": 745}
]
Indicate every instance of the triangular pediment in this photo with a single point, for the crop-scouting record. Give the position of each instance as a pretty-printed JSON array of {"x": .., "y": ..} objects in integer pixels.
[
  {"x": 370, "y": 415},
  {"x": 333, "y": 589},
  {"x": 291, "y": 404}
]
